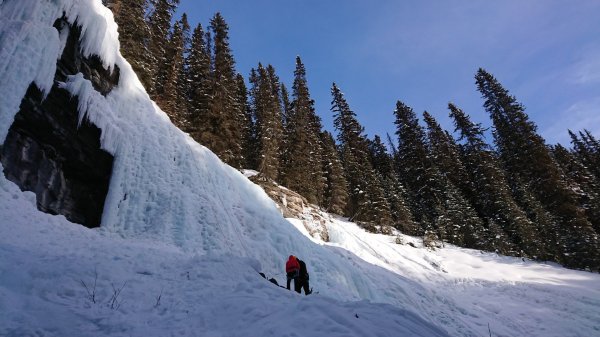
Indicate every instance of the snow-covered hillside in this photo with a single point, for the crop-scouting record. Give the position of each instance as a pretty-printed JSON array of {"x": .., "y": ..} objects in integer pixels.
[
  {"x": 185, "y": 236},
  {"x": 166, "y": 291}
]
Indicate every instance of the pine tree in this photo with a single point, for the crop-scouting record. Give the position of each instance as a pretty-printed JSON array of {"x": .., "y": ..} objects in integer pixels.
[
  {"x": 582, "y": 182},
  {"x": 446, "y": 155},
  {"x": 183, "y": 88},
  {"x": 199, "y": 79},
  {"x": 588, "y": 151},
  {"x": 245, "y": 114},
  {"x": 286, "y": 111},
  {"x": 367, "y": 204},
  {"x": 266, "y": 111},
  {"x": 591, "y": 143},
  {"x": 527, "y": 158},
  {"x": 256, "y": 104},
  {"x": 173, "y": 76},
  {"x": 275, "y": 124},
  {"x": 461, "y": 224},
  {"x": 492, "y": 194},
  {"x": 159, "y": 24},
  {"x": 380, "y": 159},
  {"x": 134, "y": 36},
  {"x": 303, "y": 171},
  {"x": 538, "y": 239},
  {"x": 225, "y": 138},
  {"x": 336, "y": 189},
  {"x": 394, "y": 192},
  {"x": 377, "y": 210},
  {"x": 287, "y": 105},
  {"x": 416, "y": 170}
]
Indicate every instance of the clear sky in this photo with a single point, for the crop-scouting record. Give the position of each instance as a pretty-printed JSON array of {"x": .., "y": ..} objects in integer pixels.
[{"x": 425, "y": 53}]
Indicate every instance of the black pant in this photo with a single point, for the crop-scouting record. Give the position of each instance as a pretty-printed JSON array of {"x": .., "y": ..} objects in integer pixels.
[
  {"x": 302, "y": 283},
  {"x": 292, "y": 276}
]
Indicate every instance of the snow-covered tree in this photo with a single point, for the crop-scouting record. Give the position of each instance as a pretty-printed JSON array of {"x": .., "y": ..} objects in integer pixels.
[
  {"x": 367, "y": 203},
  {"x": 302, "y": 156},
  {"x": 528, "y": 160},
  {"x": 266, "y": 109}
]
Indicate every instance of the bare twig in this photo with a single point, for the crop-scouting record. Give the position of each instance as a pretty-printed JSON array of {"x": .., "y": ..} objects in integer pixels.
[
  {"x": 489, "y": 330},
  {"x": 158, "y": 299},
  {"x": 91, "y": 293},
  {"x": 114, "y": 300},
  {"x": 87, "y": 290}
]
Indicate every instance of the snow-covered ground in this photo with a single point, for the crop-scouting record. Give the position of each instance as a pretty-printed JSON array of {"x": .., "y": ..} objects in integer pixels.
[
  {"x": 184, "y": 236},
  {"x": 167, "y": 290},
  {"x": 515, "y": 297}
]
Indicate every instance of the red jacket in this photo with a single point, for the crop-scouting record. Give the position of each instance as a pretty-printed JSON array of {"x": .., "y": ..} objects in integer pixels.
[{"x": 292, "y": 264}]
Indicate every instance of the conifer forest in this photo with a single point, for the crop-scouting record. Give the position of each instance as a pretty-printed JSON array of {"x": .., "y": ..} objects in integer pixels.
[{"x": 510, "y": 192}]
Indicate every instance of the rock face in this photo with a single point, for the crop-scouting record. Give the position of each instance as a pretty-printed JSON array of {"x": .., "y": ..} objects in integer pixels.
[
  {"x": 293, "y": 205},
  {"x": 46, "y": 152}
]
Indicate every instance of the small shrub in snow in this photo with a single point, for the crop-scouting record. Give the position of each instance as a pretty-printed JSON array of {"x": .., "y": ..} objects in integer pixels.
[
  {"x": 91, "y": 291},
  {"x": 114, "y": 302},
  {"x": 114, "y": 299}
]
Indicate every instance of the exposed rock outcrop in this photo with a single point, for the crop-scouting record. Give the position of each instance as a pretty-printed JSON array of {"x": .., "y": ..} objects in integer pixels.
[
  {"x": 293, "y": 205},
  {"x": 47, "y": 152}
]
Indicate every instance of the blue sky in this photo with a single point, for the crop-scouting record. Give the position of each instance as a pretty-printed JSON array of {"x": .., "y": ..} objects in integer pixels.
[{"x": 425, "y": 53}]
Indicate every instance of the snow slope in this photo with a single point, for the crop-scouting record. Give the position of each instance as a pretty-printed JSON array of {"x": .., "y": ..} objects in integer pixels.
[
  {"x": 179, "y": 222},
  {"x": 515, "y": 297},
  {"x": 45, "y": 259}
]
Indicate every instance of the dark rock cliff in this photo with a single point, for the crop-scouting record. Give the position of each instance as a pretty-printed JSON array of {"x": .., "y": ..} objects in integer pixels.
[{"x": 47, "y": 153}]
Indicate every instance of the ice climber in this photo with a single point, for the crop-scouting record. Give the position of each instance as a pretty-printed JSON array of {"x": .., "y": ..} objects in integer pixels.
[
  {"x": 302, "y": 281},
  {"x": 292, "y": 269}
]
